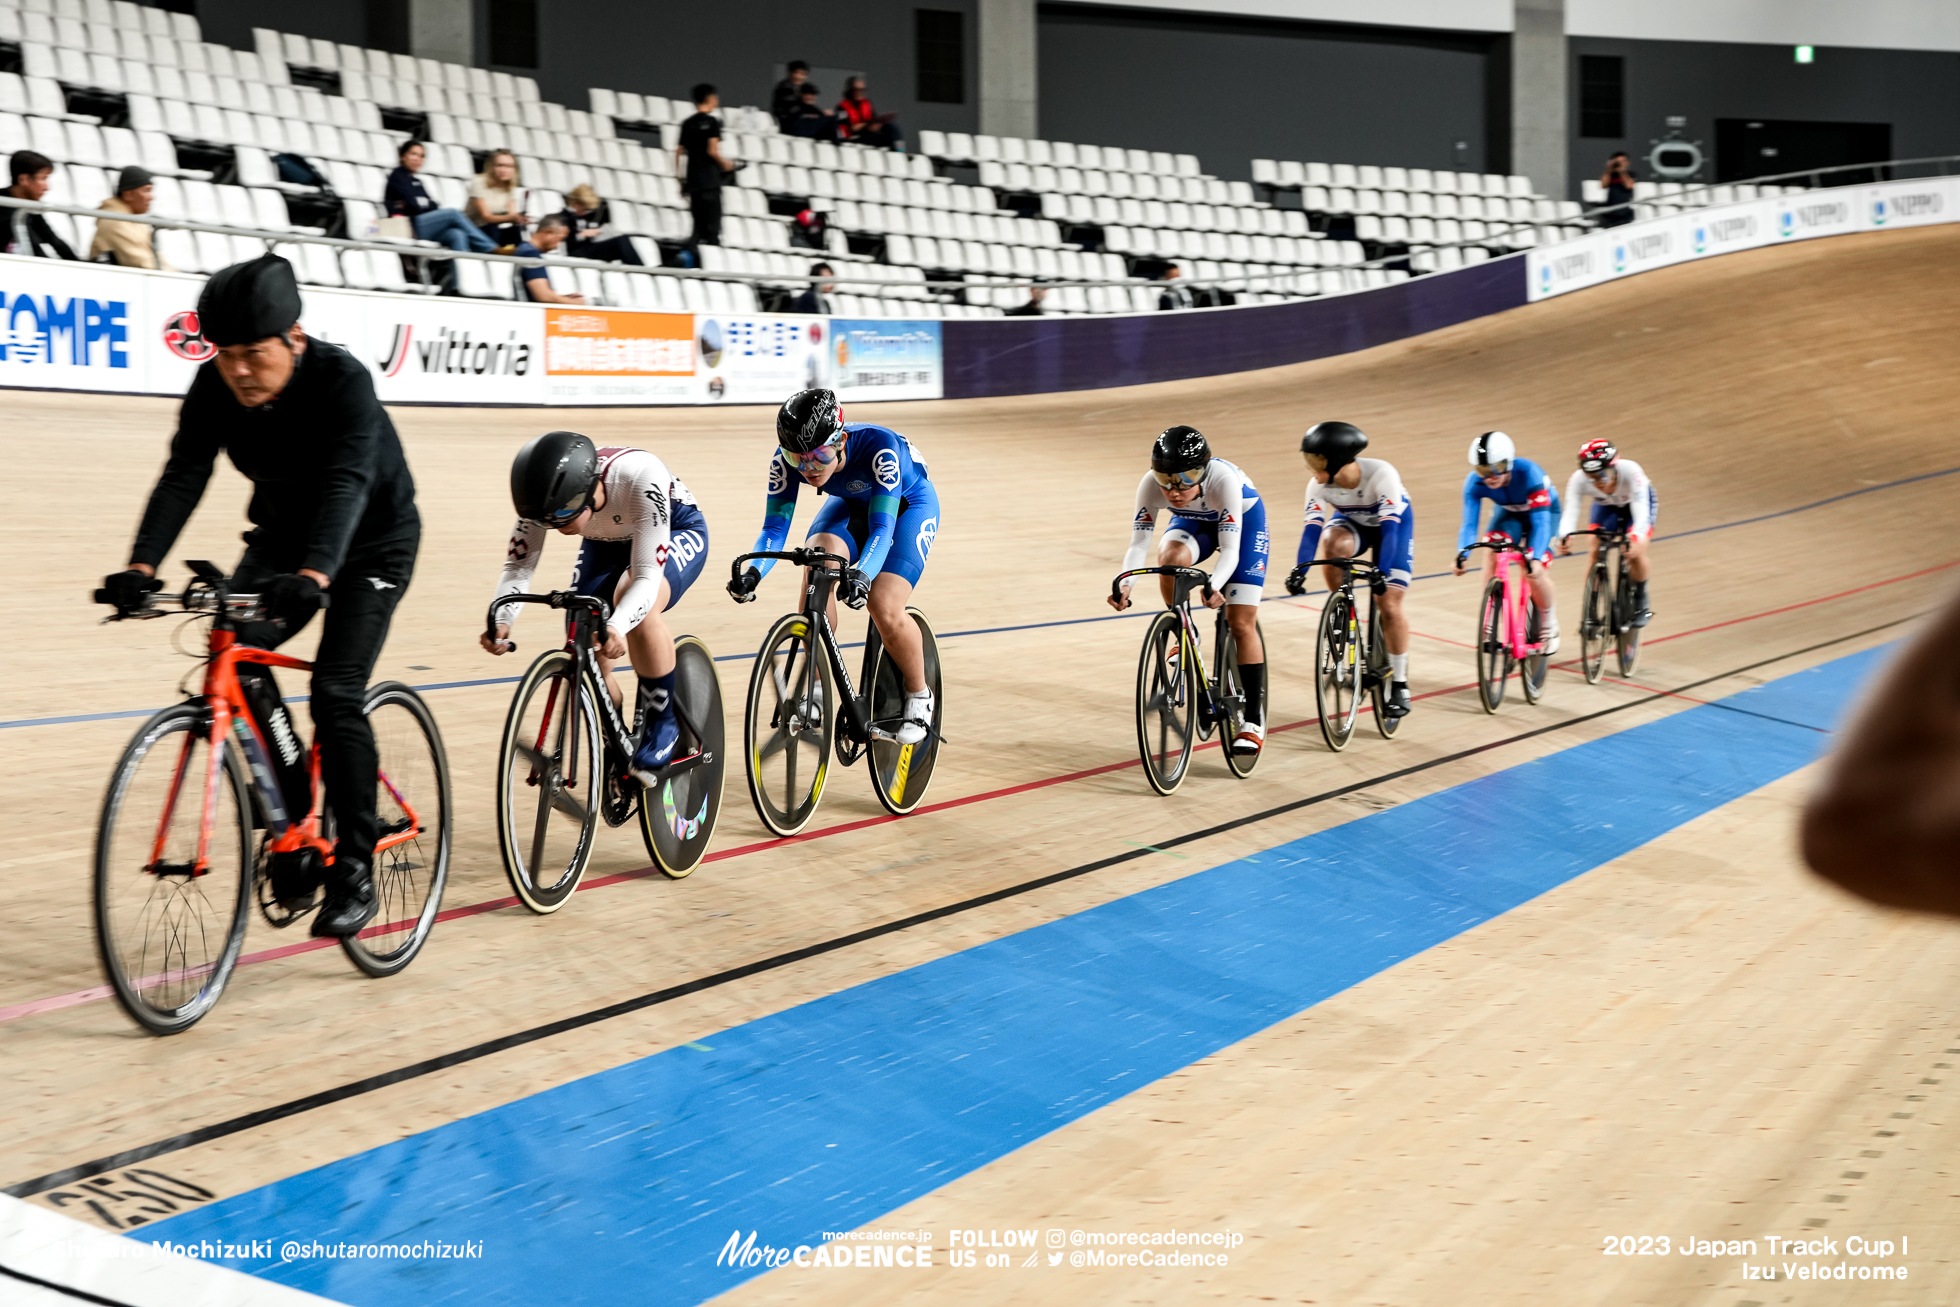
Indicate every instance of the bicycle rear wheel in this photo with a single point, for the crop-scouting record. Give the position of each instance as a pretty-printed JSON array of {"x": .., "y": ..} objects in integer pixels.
[
  {"x": 1536, "y": 667},
  {"x": 677, "y": 820},
  {"x": 169, "y": 932},
  {"x": 1231, "y": 686},
  {"x": 1493, "y": 647},
  {"x": 411, "y": 851},
  {"x": 900, "y": 773},
  {"x": 1379, "y": 671},
  {"x": 549, "y": 768},
  {"x": 1627, "y": 640},
  {"x": 1337, "y": 671},
  {"x": 1595, "y": 624},
  {"x": 1167, "y": 704},
  {"x": 789, "y": 726}
]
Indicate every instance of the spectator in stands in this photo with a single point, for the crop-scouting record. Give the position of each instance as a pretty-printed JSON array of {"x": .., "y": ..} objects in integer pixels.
[
  {"x": 406, "y": 198},
  {"x": 1175, "y": 295},
  {"x": 131, "y": 244},
  {"x": 817, "y": 298},
  {"x": 593, "y": 236},
  {"x": 810, "y": 119},
  {"x": 1032, "y": 309},
  {"x": 26, "y": 231},
  {"x": 497, "y": 200},
  {"x": 811, "y": 231},
  {"x": 789, "y": 93},
  {"x": 1617, "y": 181},
  {"x": 862, "y": 123},
  {"x": 550, "y": 234},
  {"x": 703, "y": 170}
]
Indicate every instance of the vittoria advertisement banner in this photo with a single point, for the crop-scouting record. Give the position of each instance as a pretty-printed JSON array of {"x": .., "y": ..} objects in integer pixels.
[{"x": 435, "y": 350}]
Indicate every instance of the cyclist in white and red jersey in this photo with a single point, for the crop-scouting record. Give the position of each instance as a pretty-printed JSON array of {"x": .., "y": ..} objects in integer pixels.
[
  {"x": 645, "y": 542},
  {"x": 1623, "y": 500}
]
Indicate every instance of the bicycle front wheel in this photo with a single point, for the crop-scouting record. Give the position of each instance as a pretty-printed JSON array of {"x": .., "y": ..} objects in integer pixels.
[
  {"x": 677, "y": 820},
  {"x": 1231, "y": 686},
  {"x": 1493, "y": 649},
  {"x": 1595, "y": 624},
  {"x": 411, "y": 848},
  {"x": 789, "y": 726},
  {"x": 549, "y": 769},
  {"x": 1167, "y": 704},
  {"x": 1337, "y": 671},
  {"x": 900, "y": 773},
  {"x": 1627, "y": 640},
  {"x": 167, "y": 926}
]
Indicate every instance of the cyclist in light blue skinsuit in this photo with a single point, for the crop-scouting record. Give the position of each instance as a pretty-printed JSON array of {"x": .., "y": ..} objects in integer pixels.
[{"x": 1525, "y": 507}]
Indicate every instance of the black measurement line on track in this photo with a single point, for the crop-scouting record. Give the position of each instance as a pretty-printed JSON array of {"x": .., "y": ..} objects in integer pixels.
[
  {"x": 81, "y": 1295},
  {"x": 504, "y": 1043}
]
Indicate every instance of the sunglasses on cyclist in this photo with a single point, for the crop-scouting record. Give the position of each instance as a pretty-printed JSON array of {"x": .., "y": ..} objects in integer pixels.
[
  {"x": 828, "y": 452},
  {"x": 1489, "y": 470},
  {"x": 1179, "y": 480},
  {"x": 566, "y": 515}
]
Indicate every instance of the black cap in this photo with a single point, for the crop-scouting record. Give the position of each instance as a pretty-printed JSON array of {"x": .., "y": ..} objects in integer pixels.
[
  {"x": 249, "y": 301},
  {"x": 134, "y": 177}
]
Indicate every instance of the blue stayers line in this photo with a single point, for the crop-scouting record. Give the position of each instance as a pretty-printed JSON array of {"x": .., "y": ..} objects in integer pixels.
[
  {"x": 621, "y": 1187},
  {"x": 1031, "y": 626}
]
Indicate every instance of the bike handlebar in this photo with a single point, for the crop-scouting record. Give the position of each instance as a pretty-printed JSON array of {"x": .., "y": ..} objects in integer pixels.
[
  {"x": 1502, "y": 547},
  {"x": 249, "y": 606},
  {"x": 564, "y": 599},
  {"x": 1188, "y": 575},
  {"x": 1349, "y": 565},
  {"x": 1602, "y": 532},
  {"x": 801, "y": 557}
]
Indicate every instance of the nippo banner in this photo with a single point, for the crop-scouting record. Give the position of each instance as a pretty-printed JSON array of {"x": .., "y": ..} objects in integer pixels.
[
  {"x": 758, "y": 360},
  {"x": 610, "y": 356},
  {"x": 884, "y": 358}
]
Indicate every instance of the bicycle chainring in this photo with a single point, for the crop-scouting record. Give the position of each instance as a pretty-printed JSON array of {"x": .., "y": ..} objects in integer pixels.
[{"x": 288, "y": 884}]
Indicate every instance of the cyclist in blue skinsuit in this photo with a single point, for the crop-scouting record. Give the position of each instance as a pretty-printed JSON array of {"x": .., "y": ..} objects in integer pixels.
[
  {"x": 1524, "y": 506},
  {"x": 881, "y": 512}
]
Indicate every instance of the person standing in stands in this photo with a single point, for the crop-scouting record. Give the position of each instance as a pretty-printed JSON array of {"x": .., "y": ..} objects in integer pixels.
[
  {"x": 497, "y": 200},
  {"x": 27, "y": 232},
  {"x": 131, "y": 244},
  {"x": 593, "y": 237},
  {"x": 703, "y": 170},
  {"x": 861, "y": 121},
  {"x": 1617, "y": 181},
  {"x": 789, "y": 93}
]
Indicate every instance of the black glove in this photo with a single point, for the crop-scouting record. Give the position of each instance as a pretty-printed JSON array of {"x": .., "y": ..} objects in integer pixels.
[
  {"x": 128, "y": 591},
  {"x": 1296, "y": 580},
  {"x": 291, "y": 600},
  {"x": 855, "y": 589},
  {"x": 742, "y": 588}
]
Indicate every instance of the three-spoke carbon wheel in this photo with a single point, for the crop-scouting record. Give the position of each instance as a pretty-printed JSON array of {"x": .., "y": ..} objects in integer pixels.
[
  {"x": 169, "y": 925},
  {"x": 1167, "y": 704},
  {"x": 412, "y": 821},
  {"x": 900, "y": 773},
  {"x": 549, "y": 771},
  {"x": 677, "y": 818},
  {"x": 1231, "y": 686},
  {"x": 1493, "y": 647},
  {"x": 789, "y": 726},
  {"x": 1337, "y": 671}
]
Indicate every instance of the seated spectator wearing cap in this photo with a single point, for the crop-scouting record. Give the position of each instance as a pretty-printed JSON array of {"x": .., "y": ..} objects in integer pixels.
[
  {"x": 788, "y": 93},
  {"x": 406, "y": 198},
  {"x": 817, "y": 298},
  {"x": 550, "y": 234},
  {"x": 810, "y": 231},
  {"x": 131, "y": 244},
  {"x": 497, "y": 201},
  {"x": 860, "y": 121},
  {"x": 810, "y": 119},
  {"x": 592, "y": 236},
  {"x": 25, "y": 231}
]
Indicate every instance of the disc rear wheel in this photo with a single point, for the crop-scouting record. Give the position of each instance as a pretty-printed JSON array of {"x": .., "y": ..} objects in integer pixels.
[
  {"x": 789, "y": 726},
  {"x": 1232, "y": 687},
  {"x": 1379, "y": 672},
  {"x": 1536, "y": 667},
  {"x": 677, "y": 817},
  {"x": 900, "y": 773},
  {"x": 1627, "y": 641}
]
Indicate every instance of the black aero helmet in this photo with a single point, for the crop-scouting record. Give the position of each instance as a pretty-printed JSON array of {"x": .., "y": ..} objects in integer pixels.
[
  {"x": 1340, "y": 443},
  {"x": 553, "y": 476},
  {"x": 1179, "y": 449},
  {"x": 808, "y": 420},
  {"x": 248, "y": 301}
]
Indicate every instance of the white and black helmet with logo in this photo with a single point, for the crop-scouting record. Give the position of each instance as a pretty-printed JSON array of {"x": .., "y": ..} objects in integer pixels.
[{"x": 1492, "y": 450}]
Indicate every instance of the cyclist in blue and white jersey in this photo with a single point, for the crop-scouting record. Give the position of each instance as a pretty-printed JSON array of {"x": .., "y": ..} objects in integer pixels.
[
  {"x": 1356, "y": 503},
  {"x": 1624, "y": 501},
  {"x": 643, "y": 544},
  {"x": 882, "y": 513},
  {"x": 1215, "y": 509},
  {"x": 1524, "y": 506}
]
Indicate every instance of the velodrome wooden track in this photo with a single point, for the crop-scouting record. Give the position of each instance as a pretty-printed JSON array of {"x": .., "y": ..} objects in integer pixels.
[{"x": 1694, "y": 1039}]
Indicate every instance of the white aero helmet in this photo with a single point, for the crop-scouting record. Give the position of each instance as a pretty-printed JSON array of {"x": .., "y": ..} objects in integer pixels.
[{"x": 1493, "y": 449}]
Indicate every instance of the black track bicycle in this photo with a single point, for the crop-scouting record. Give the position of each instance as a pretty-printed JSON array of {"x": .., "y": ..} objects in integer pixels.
[
  {"x": 567, "y": 756},
  {"x": 1179, "y": 703},
  {"x": 802, "y": 706},
  {"x": 1350, "y": 657},
  {"x": 1606, "y": 617}
]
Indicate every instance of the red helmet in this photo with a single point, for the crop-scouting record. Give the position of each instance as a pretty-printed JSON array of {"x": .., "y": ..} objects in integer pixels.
[{"x": 1596, "y": 456}]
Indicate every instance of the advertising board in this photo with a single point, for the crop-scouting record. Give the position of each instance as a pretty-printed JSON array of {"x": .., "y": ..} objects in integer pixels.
[
  {"x": 609, "y": 356},
  {"x": 757, "y": 360},
  {"x": 885, "y": 358}
]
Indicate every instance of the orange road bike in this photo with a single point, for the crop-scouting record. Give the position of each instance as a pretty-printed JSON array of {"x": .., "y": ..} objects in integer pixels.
[
  {"x": 217, "y": 795},
  {"x": 1505, "y": 620}
]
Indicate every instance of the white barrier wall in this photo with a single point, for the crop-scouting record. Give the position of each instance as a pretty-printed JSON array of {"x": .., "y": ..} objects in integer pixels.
[
  {"x": 83, "y": 326},
  {"x": 1658, "y": 242}
]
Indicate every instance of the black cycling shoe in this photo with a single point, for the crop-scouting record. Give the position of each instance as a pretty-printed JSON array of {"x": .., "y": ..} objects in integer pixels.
[
  {"x": 350, "y": 902},
  {"x": 1642, "y": 614},
  {"x": 1398, "y": 699}
]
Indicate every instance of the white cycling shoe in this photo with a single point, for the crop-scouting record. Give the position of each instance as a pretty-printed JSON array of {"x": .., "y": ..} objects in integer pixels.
[
  {"x": 918, "y": 718},
  {"x": 1250, "y": 739},
  {"x": 809, "y": 709}
]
